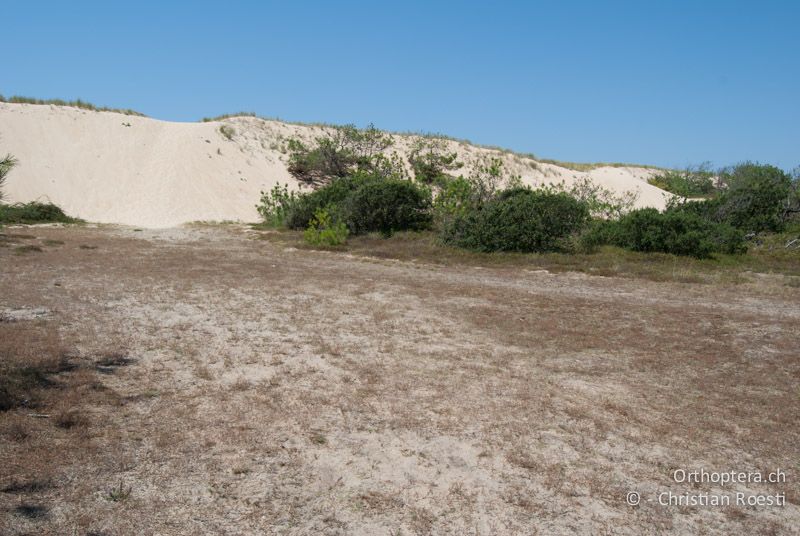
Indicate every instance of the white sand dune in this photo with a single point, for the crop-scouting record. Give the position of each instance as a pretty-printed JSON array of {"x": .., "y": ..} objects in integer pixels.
[{"x": 112, "y": 168}]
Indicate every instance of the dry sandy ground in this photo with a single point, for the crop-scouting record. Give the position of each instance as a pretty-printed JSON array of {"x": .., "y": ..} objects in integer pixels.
[
  {"x": 112, "y": 168},
  {"x": 280, "y": 391}
]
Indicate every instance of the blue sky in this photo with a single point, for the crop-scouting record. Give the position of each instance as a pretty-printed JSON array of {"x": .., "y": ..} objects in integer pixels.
[{"x": 667, "y": 83}]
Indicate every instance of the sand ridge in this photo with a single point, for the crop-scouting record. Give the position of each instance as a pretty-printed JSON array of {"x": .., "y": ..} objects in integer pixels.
[{"x": 107, "y": 167}]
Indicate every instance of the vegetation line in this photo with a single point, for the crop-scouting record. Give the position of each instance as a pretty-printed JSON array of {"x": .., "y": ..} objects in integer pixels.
[{"x": 17, "y": 99}]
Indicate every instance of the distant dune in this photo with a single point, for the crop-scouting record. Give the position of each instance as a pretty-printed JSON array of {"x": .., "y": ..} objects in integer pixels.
[{"x": 112, "y": 168}]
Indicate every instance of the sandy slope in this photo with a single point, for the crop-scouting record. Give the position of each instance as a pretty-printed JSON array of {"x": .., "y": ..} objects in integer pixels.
[{"x": 113, "y": 168}]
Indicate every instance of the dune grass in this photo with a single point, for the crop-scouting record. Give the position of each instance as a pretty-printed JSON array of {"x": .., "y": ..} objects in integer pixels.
[
  {"x": 228, "y": 116},
  {"x": 78, "y": 103}
]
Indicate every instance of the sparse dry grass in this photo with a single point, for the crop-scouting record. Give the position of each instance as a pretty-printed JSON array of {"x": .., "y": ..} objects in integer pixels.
[
  {"x": 256, "y": 387},
  {"x": 609, "y": 261}
]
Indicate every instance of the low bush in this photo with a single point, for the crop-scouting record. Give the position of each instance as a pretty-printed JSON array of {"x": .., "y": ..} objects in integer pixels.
[
  {"x": 690, "y": 182},
  {"x": 519, "y": 219},
  {"x": 275, "y": 205},
  {"x": 34, "y": 212},
  {"x": 679, "y": 233},
  {"x": 329, "y": 197},
  {"x": 431, "y": 162},
  {"x": 340, "y": 152},
  {"x": 365, "y": 203},
  {"x": 322, "y": 230},
  {"x": 455, "y": 198},
  {"x": 387, "y": 206},
  {"x": 753, "y": 198}
]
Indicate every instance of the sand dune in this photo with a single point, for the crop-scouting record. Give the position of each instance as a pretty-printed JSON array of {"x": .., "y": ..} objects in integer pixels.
[{"x": 111, "y": 168}]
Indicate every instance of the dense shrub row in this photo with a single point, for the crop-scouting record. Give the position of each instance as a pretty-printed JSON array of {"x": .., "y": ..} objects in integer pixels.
[
  {"x": 363, "y": 191},
  {"x": 519, "y": 219},
  {"x": 751, "y": 197},
  {"x": 679, "y": 233}
]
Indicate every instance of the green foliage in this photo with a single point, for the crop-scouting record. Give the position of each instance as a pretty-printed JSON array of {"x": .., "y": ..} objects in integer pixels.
[
  {"x": 454, "y": 200},
  {"x": 485, "y": 180},
  {"x": 16, "y": 99},
  {"x": 519, "y": 219},
  {"x": 329, "y": 197},
  {"x": 755, "y": 197},
  {"x": 751, "y": 197},
  {"x": 602, "y": 202},
  {"x": 676, "y": 232},
  {"x": 458, "y": 196},
  {"x": 6, "y": 165},
  {"x": 384, "y": 167},
  {"x": 430, "y": 161},
  {"x": 365, "y": 203},
  {"x": 275, "y": 205},
  {"x": 322, "y": 230},
  {"x": 34, "y": 212},
  {"x": 689, "y": 182},
  {"x": 387, "y": 206},
  {"x": 341, "y": 152}
]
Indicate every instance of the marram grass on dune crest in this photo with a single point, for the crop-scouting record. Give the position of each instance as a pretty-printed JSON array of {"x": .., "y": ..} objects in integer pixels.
[{"x": 78, "y": 103}]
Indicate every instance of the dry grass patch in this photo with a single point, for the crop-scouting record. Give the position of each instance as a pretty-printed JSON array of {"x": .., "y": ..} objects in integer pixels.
[{"x": 279, "y": 390}]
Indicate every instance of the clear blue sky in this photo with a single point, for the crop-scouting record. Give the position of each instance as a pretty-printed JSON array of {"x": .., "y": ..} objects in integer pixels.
[{"x": 668, "y": 83}]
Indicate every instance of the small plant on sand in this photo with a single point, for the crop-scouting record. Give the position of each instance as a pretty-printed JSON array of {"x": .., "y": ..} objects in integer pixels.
[
  {"x": 227, "y": 132},
  {"x": 275, "y": 205},
  {"x": 323, "y": 231},
  {"x": 34, "y": 212},
  {"x": 6, "y": 165},
  {"x": 119, "y": 493}
]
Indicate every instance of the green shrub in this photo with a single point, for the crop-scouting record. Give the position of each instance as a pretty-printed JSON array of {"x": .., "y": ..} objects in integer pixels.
[
  {"x": 387, "y": 206},
  {"x": 676, "y": 232},
  {"x": 430, "y": 161},
  {"x": 486, "y": 179},
  {"x": 340, "y": 152},
  {"x": 519, "y": 219},
  {"x": 34, "y": 212},
  {"x": 455, "y": 199},
  {"x": 689, "y": 182},
  {"x": 601, "y": 202},
  {"x": 754, "y": 198},
  {"x": 329, "y": 197},
  {"x": 322, "y": 230},
  {"x": 275, "y": 205}
]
